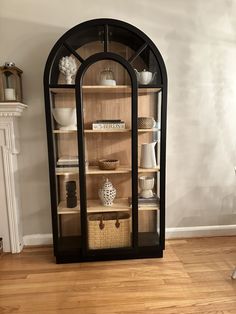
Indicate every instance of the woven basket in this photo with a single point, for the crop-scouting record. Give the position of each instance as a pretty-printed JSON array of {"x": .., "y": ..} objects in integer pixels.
[
  {"x": 108, "y": 230},
  {"x": 145, "y": 122},
  {"x": 108, "y": 164}
]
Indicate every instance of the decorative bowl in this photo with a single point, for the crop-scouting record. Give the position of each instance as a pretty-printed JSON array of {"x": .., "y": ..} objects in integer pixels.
[
  {"x": 65, "y": 117},
  {"x": 146, "y": 122},
  {"x": 108, "y": 164}
]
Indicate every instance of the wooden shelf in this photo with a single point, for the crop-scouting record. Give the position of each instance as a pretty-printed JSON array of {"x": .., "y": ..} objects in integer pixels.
[
  {"x": 120, "y": 204},
  {"x": 62, "y": 209},
  {"x": 144, "y": 170},
  {"x": 65, "y": 131},
  {"x": 108, "y": 131},
  {"x": 124, "y": 89},
  {"x": 148, "y": 130},
  {"x": 94, "y": 170},
  {"x": 105, "y": 131},
  {"x": 65, "y": 171},
  {"x": 95, "y": 206},
  {"x": 148, "y": 208}
]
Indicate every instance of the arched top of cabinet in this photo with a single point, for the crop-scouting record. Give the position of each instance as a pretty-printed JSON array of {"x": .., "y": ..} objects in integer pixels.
[{"x": 106, "y": 35}]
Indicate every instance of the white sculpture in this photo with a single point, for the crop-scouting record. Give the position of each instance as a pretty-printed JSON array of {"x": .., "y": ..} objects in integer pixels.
[{"x": 68, "y": 67}]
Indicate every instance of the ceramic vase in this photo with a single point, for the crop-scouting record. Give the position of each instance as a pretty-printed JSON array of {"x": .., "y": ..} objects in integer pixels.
[
  {"x": 146, "y": 184},
  {"x": 107, "y": 193},
  {"x": 148, "y": 157}
]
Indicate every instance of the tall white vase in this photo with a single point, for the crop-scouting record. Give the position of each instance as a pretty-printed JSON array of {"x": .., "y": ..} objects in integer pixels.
[{"x": 148, "y": 157}]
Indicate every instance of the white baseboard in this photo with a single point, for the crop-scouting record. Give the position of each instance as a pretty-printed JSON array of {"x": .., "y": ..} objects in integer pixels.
[
  {"x": 171, "y": 233},
  {"x": 37, "y": 239},
  {"x": 200, "y": 231}
]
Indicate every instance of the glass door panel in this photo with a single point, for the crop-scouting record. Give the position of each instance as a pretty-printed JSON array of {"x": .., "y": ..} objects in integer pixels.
[
  {"x": 149, "y": 161},
  {"x": 107, "y": 137},
  {"x": 123, "y": 42},
  {"x": 147, "y": 68},
  {"x": 64, "y": 128},
  {"x": 88, "y": 41}
]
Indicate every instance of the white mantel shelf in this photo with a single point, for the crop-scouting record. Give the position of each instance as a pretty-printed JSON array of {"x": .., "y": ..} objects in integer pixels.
[
  {"x": 10, "y": 209},
  {"x": 9, "y": 109}
]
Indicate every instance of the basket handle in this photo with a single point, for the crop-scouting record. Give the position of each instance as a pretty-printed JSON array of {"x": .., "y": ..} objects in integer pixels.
[
  {"x": 117, "y": 224},
  {"x": 101, "y": 223}
]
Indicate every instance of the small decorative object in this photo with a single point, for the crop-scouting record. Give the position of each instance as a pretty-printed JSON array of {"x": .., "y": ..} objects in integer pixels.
[
  {"x": 145, "y": 77},
  {"x": 68, "y": 67},
  {"x": 71, "y": 198},
  {"x": 10, "y": 83},
  {"x": 146, "y": 184},
  {"x": 108, "y": 164},
  {"x": 146, "y": 122},
  {"x": 108, "y": 124},
  {"x": 107, "y": 193},
  {"x": 148, "y": 158},
  {"x": 107, "y": 77},
  {"x": 65, "y": 117}
]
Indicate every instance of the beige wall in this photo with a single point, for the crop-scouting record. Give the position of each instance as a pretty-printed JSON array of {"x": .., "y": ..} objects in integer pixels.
[{"x": 198, "y": 43}]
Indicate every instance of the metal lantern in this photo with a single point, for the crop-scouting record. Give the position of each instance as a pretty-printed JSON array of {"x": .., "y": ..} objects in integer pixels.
[{"x": 10, "y": 83}]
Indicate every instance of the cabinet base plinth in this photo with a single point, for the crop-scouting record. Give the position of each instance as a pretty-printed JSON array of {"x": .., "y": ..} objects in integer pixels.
[{"x": 157, "y": 253}]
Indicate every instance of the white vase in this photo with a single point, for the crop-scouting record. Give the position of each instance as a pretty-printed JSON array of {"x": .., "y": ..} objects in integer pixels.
[
  {"x": 148, "y": 157},
  {"x": 107, "y": 193}
]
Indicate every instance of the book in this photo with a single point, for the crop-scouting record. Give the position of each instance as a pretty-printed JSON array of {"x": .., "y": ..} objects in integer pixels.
[
  {"x": 68, "y": 161},
  {"x": 108, "y": 125}
]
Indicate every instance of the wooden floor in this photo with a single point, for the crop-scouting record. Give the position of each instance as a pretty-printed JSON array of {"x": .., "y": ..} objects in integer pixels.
[{"x": 193, "y": 277}]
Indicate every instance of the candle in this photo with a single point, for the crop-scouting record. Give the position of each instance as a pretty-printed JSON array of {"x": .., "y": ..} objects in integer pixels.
[{"x": 10, "y": 94}]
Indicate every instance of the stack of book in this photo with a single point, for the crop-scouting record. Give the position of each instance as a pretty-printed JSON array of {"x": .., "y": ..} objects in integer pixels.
[
  {"x": 108, "y": 124},
  {"x": 68, "y": 161},
  {"x": 151, "y": 202}
]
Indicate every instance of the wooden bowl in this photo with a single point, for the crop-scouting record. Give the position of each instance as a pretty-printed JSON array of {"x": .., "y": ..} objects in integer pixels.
[{"x": 108, "y": 164}]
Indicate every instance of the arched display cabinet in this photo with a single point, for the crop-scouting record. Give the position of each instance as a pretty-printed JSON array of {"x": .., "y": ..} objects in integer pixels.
[{"x": 109, "y": 101}]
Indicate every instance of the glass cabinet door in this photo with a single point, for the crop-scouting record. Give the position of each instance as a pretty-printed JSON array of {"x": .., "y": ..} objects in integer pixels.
[
  {"x": 66, "y": 213},
  {"x": 107, "y": 123},
  {"x": 149, "y": 145},
  {"x": 149, "y": 167}
]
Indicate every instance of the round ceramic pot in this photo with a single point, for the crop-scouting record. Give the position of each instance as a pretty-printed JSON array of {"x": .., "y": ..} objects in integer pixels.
[{"x": 146, "y": 184}]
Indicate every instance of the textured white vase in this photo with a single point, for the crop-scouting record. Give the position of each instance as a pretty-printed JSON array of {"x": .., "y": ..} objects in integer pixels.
[{"x": 107, "y": 193}]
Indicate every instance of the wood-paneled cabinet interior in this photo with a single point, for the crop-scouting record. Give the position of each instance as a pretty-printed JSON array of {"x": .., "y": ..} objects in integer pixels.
[{"x": 112, "y": 109}]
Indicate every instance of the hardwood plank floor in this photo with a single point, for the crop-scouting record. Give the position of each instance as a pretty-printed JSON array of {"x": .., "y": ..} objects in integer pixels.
[{"x": 193, "y": 277}]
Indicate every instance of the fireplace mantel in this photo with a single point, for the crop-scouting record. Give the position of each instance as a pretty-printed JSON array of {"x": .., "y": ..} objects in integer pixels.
[{"x": 10, "y": 209}]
